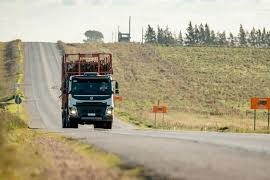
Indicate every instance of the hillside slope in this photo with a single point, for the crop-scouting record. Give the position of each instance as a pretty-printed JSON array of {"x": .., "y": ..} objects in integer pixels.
[{"x": 197, "y": 80}]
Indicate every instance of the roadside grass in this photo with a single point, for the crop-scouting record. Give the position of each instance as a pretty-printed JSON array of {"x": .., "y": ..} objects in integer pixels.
[
  {"x": 205, "y": 88},
  {"x": 19, "y": 156},
  {"x": 106, "y": 165}
]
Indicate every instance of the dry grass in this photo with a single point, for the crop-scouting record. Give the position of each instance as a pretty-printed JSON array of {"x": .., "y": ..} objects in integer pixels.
[
  {"x": 19, "y": 158},
  {"x": 71, "y": 158},
  {"x": 10, "y": 55},
  {"x": 195, "y": 82}
]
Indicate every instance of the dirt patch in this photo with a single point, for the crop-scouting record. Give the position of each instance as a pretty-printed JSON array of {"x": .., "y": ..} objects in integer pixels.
[{"x": 66, "y": 163}]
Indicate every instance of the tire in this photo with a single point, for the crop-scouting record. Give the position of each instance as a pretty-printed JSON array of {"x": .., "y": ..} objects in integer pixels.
[
  {"x": 73, "y": 123},
  {"x": 108, "y": 125},
  {"x": 64, "y": 123},
  {"x": 103, "y": 125},
  {"x": 96, "y": 125},
  {"x": 68, "y": 123}
]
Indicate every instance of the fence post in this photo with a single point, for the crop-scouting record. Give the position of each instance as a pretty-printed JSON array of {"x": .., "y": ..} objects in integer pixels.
[{"x": 255, "y": 119}]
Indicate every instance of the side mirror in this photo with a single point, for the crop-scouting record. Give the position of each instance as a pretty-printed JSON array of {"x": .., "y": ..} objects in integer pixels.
[{"x": 116, "y": 88}]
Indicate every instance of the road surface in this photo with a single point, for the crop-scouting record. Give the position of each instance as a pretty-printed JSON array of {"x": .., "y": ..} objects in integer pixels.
[{"x": 170, "y": 154}]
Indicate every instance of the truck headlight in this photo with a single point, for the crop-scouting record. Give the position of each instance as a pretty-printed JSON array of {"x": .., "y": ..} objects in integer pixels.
[
  {"x": 109, "y": 111},
  {"x": 73, "y": 111}
]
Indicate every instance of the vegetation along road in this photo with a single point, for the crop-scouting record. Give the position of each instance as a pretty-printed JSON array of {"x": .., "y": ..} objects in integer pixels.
[{"x": 180, "y": 155}]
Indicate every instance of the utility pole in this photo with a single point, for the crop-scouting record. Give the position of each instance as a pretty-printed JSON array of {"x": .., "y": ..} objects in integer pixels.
[
  {"x": 118, "y": 31},
  {"x": 129, "y": 28},
  {"x": 116, "y": 40}
]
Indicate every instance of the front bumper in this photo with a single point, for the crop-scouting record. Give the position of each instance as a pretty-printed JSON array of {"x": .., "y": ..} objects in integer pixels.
[
  {"x": 90, "y": 113},
  {"x": 92, "y": 120}
]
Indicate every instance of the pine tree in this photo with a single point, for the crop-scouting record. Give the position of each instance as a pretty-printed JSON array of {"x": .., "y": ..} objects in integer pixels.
[
  {"x": 207, "y": 34},
  {"x": 196, "y": 34},
  {"x": 224, "y": 38},
  {"x": 268, "y": 39},
  {"x": 242, "y": 36},
  {"x": 263, "y": 37},
  {"x": 247, "y": 37},
  {"x": 168, "y": 37},
  {"x": 252, "y": 37},
  {"x": 221, "y": 39},
  {"x": 150, "y": 35},
  {"x": 160, "y": 36},
  {"x": 258, "y": 37},
  {"x": 180, "y": 39},
  {"x": 212, "y": 38},
  {"x": 231, "y": 40},
  {"x": 201, "y": 34},
  {"x": 190, "y": 35}
]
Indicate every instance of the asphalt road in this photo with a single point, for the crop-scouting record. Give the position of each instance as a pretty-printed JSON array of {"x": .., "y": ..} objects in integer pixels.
[{"x": 178, "y": 155}]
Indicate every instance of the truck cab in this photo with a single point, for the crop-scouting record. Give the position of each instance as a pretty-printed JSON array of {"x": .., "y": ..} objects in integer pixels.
[{"x": 87, "y": 95}]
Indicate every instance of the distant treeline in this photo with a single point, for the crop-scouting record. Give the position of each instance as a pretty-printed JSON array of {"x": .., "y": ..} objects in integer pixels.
[{"x": 202, "y": 35}]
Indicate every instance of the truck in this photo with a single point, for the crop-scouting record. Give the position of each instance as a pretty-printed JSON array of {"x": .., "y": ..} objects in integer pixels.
[{"x": 88, "y": 89}]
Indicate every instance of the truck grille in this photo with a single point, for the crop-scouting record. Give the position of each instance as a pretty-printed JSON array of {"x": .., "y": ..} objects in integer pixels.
[{"x": 86, "y": 109}]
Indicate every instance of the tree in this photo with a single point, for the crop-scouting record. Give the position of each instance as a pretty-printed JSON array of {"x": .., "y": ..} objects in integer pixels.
[
  {"x": 207, "y": 34},
  {"x": 263, "y": 37},
  {"x": 268, "y": 39},
  {"x": 196, "y": 35},
  {"x": 168, "y": 37},
  {"x": 212, "y": 38},
  {"x": 160, "y": 36},
  {"x": 258, "y": 37},
  {"x": 242, "y": 36},
  {"x": 231, "y": 40},
  {"x": 247, "y": 37},
  {"x": 252, "y": 37},
  {"x": 180, "y": 39},
  {"x": 201, "y": 34},
  {"x": 190, "y": 35},
  {"x": 221, "y": 39},
  {"x": 93, "y": 36},
  {"x": 150, "y": 35},
  {"x": 165, "y": 36}
]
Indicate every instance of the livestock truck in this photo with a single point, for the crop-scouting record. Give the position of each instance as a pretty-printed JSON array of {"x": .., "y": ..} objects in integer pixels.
[{"x": 88, "y": 90}]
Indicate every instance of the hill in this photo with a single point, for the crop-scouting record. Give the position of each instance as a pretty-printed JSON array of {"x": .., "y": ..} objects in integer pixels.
[{"x": 209, "y": 87}]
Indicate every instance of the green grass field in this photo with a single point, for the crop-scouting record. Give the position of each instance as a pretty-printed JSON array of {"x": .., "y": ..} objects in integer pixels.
[{"x": 205, "y": 88}]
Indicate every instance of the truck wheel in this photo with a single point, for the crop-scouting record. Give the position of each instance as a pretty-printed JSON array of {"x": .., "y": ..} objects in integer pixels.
[
  {"x": 108, "y": 125},
  {"x": 64, "y": 124},
  {"x": 73, "y": 123},
  {"x": 97, "y": 125}
]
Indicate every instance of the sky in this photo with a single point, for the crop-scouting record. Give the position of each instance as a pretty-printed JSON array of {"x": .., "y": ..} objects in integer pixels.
[{"x": 67, "y": 20}]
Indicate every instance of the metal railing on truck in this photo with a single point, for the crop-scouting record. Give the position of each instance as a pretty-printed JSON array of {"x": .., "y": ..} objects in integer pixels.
[{"x": 79, "y": 64}]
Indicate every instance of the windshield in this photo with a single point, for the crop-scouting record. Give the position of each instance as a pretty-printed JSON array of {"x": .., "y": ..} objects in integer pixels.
[{"x": 91, "y": 87}]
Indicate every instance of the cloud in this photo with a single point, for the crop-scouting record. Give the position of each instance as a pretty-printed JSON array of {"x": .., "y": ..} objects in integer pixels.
[
  {"x": 84, "y": 2},
  {"x": 95, "y": 2},
  {"x": 69, "y": 2}
]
